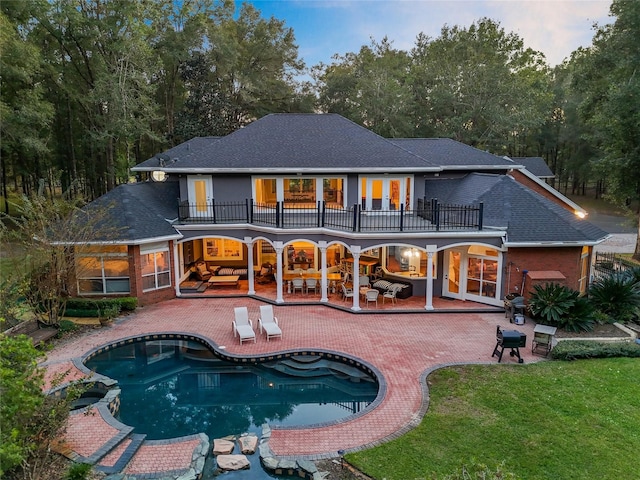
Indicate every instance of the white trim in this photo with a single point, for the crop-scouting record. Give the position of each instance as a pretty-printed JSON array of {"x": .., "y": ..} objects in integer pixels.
[
  {"x": 551, "y": 190},
  {"x": 555, "y": 244},
  {"x": 143, "y": 241},
  {"x": 309, "y": 170},
  {"x": 319, "y": 184}
]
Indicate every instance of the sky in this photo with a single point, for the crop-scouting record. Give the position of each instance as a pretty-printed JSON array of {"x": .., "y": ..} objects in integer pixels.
[{"x": 323, "y": 28}]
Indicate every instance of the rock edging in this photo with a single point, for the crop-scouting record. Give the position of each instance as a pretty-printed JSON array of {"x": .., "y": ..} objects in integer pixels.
[{"x": 278, "y": 466}]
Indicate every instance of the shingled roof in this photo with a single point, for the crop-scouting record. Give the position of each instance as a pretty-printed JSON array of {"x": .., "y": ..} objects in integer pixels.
[
  {"x": 446, "y": 152},
  {"x": 527, "y": 216},
  {"x": 285, "y": 142},
  {"x": 535, "y": 165},
  {"x": 140, "y": 211}
]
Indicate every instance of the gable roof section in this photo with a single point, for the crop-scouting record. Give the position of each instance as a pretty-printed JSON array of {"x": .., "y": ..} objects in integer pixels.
[
  {"x": 295, "y": 142},
  {"x": 140, "y": 211},
  {"x": 535, "y": 165},
  {"x": 446, "y": 152},
  {"x": 528, "y": 217}
]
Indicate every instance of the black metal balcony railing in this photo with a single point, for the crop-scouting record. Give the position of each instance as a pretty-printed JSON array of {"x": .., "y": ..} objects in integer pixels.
[{"x": 429, "y": 216}]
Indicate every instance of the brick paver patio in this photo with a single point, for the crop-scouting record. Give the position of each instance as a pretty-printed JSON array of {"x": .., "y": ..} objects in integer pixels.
[{"x": 401, "y": 346}]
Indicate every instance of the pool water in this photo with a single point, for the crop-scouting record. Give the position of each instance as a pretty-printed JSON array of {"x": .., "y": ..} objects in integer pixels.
[{"x": 173, "y": 388}]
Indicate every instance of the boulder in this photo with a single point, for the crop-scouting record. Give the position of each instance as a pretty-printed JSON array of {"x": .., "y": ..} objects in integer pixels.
[
  {"x": 248, "y": 444},
  {"x": 222, "y": 447},
  {"x": 232, "y": 462},
  {"x": 270, "y": 463}
]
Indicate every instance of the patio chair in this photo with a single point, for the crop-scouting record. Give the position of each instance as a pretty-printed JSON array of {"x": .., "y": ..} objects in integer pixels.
[
  {"x": 390, "y": 294},
  {"x": 364, "y": 281},
  {"x": 242, "y": 325},
  {"x": 346, "y": 292},
  {"x": 378, "y": 273},
  {"x": 312, "y": 284},
  {"x": 371, "y": 296},
  {"x": 268, "y": 322},
  {"x": 297, "y": 284}
]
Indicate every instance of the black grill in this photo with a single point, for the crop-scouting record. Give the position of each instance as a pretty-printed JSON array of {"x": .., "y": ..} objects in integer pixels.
[{"x": 512, "y": 339}]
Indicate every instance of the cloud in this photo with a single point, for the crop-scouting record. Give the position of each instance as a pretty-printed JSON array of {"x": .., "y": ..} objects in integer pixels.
[{"x": 324, "y": 28}]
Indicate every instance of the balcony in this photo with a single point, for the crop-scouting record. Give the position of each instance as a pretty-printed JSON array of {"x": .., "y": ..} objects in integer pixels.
[{"x": 429, "y": 216}]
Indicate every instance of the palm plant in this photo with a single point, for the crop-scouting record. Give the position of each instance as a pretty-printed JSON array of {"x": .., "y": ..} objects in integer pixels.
[
  {"x": 634, "y": 274},
  {"x": 617, "y": 296},
  {"x": 552, "y": 302},
  {"x": 581, "y": 317}
]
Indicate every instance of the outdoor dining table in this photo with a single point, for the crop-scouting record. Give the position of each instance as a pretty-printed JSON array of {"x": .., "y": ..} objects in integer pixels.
[{"x": 331, "y": 278}]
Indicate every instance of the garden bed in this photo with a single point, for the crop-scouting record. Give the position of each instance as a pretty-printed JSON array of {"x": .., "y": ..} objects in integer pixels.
[{"x": 607, "y": 330}]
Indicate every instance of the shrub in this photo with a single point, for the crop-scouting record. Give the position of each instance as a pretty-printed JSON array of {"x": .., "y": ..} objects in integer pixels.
[
  {"x": 31, "y": 420},
  {"x": 124, "y": 304},
  {"x": 577, "y": 349},
  {"x": 128, "y": 304},
  {"x": 581, "y": 317},
  {"x": 618, "y": 296},
  {"x": 110, "y": 312},
  {"x": 552, "y": 302},
  {"x": 66, "y": 326},
  {"x": 77, "y": 471},
  {"x": 634, "y": 274}
]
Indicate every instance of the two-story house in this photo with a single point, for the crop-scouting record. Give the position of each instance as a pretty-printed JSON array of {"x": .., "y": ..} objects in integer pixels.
[{"x": 319, "y": 193}]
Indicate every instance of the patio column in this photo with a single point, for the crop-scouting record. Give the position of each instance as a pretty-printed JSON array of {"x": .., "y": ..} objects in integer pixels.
[
  {"x": 431, "y": 249},
  {"x": 355, "y": 251},
  {"x": 322, "y": 245},
  {"x": 252, "y": 287},
  {"x": 177, "y": 269},
  {"x": 279, "y": 248}
]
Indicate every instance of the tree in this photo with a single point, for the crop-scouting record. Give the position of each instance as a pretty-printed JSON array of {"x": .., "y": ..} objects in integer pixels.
[
  {"x": 609, "y": 79},
  {"x": 21, "y": 383},
  {"x": 371, "y": 88},
  {"x": 245, "y": 71},
  {"x": 31, "y": 420},
  {"x": 24, "y": 111},
  {"x": 480, "y": 86},
  {"x": 49, "y": 231}
]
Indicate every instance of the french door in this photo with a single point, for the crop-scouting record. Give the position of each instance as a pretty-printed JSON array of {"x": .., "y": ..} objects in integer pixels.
[
  {"x": 200, "y": 192},
  {"x": 470, "y": 275},
  {"x": 382, "y": 193}
]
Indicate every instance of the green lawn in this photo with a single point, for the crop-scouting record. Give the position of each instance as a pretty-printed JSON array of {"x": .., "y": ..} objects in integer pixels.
[{"x": 551, "y": 420}]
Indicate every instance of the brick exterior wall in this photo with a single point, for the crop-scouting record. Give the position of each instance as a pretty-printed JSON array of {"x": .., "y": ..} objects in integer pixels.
[
  {"x": 566, "y": 260},
  {"x": 531, "y": 185},
  {"x": 135, "y": 279}
]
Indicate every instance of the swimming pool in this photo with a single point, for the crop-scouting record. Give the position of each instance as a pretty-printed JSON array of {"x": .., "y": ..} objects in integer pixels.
[{"x": 176, "y": 387}]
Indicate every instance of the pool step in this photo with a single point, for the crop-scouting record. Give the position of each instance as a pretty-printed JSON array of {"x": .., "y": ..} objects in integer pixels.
[{"x": 134, "y": 441}]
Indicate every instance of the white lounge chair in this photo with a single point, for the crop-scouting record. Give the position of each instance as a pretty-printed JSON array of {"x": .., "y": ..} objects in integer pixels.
[
  {"x": 268, "y": 322},
  {"x": 242, "y": 325}
]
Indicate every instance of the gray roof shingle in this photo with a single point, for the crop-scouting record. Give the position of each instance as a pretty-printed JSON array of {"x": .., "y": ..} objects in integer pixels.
[
  {"x": 139, "y": 211},
  {"x": 446, "y": 152},
  {"x": 528, "y": 216},
  {"x": 535, "y": 165},
  {"x": 295, "y": 141}
]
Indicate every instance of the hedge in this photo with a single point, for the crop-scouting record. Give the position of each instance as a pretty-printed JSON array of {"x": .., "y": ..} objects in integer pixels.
[
  {"x": 577, "y": 349},
  {"x": 126, "y": 304},
  {"x": 100, "y": 307}
]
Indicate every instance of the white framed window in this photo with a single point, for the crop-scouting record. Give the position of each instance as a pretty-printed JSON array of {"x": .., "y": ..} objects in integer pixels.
[
  {"x": 155, "y": 265},
  {"x": 300, "y": 191},
  {"x": 102, "y": 270}
]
